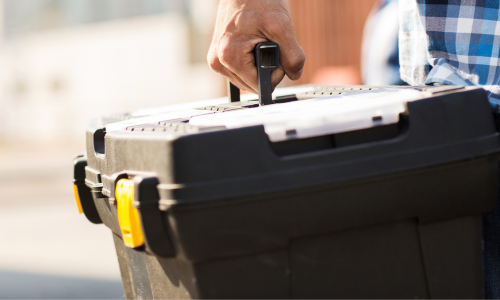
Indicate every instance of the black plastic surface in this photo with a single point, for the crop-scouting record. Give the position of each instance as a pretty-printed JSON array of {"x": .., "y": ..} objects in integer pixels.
[
  {"x": 233, "y": 92},
  {"x": 84, "y": 192},
  {"x": 156, "y": 235},
  {"x": 99, "y": 141},
  {"x": 387, "y": 212},
  {"x": 267, "y": 59}
]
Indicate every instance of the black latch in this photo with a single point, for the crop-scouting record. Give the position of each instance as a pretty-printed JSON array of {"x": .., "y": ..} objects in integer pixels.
[
  {"x": 83, "y": 193},
  {"x": 154, "y": 227}
]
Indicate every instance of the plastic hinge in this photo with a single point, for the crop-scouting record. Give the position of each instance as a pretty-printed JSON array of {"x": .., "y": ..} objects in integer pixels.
[{"x": 154, "y": 227}]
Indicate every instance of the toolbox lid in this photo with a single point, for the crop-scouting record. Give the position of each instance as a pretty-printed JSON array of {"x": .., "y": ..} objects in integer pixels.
[
  {"x": 176, "y": 114},
  {"x": 188, "y": 110},
  {"x": 320, "y": 116},
  {"x": 217, "y": 101}
]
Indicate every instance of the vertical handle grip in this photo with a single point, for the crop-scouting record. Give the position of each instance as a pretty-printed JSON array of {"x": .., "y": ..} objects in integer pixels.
[{"x": 267, "y": 59}]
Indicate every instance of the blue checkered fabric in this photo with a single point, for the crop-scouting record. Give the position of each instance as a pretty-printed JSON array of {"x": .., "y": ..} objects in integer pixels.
[
  {"x": 457, "y": 42},
  {"x": 451, "y": 42}
]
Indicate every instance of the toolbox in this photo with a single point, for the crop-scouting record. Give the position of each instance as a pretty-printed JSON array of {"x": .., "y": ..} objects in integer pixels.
[{"x": 311, "y": 192}]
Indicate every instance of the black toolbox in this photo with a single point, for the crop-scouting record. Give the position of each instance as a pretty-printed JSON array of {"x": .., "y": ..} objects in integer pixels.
[{"x": 382, "y": 200}]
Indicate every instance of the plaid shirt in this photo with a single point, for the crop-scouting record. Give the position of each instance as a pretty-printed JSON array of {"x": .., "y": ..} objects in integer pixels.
[{"x": 451, "y": 42}]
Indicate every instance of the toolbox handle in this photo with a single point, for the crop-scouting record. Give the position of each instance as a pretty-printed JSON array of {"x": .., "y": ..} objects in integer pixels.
[
  {"x": 233, "y": 92},
  {"x": 267, "y": 59}
]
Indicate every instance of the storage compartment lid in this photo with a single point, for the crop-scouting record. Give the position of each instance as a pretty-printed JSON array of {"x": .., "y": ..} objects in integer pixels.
[
  {"x": 280, "y": 92},
  {"x": 321, "y": 116},
  {"x": 187, "y": 110}
]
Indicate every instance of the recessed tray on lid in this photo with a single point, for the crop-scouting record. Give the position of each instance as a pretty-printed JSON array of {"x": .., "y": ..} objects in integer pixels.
[{"x": 321, "y": 116}]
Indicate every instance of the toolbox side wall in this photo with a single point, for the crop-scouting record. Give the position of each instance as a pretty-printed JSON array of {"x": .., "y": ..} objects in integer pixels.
[
  {"x": 138, "y": 152},
  {"x": 231, "y": 228}
]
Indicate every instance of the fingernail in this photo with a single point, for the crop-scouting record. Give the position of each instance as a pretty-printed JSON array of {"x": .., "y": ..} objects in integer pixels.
[{"x": 299, "y": 74}]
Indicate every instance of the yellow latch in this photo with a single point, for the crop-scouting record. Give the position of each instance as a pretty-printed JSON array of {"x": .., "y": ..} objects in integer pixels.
[
  {"x": 77, "y": 198},
  {"x": 128, "y": 216}
]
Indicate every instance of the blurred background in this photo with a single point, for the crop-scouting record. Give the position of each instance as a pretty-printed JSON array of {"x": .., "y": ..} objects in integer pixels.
[{"x": 63, "y": 62}]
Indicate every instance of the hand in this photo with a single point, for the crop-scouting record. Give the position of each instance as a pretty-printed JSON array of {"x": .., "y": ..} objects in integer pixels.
[{"x": 242, "y": 24}]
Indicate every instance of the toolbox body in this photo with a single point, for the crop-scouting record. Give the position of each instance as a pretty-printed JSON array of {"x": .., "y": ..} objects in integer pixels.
[{"x": 384, "y": 211}]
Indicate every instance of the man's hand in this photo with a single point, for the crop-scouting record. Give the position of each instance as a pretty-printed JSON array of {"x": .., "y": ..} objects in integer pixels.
[{"x": 242, "y": 24}]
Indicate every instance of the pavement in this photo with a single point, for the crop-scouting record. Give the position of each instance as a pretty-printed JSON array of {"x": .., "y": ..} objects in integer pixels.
[{"x": 47, "y": 249}]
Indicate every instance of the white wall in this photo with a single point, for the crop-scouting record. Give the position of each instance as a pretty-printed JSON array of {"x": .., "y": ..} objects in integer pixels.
[{"x": 52, "y": 83}]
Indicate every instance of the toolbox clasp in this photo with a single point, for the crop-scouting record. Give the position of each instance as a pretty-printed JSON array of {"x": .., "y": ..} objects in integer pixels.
[
  {"x": 83, "y": 196},
  {"x": 136, "y": 197},
  {"x": 128, "y": 216}
]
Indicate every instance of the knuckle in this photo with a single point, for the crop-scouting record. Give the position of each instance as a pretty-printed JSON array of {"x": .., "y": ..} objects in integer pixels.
[
  {"x": 279, "y": 25},
  {"x": 300, "y": 57},
  {"x": 216, "y": 67},
  {"x": 226, "y": 55},
  {"x": 214, "y": 63},
  {"x": 296, "y": 59},
  {"x": 276, "y": 29},
  {"x": 229, "y": 51}
]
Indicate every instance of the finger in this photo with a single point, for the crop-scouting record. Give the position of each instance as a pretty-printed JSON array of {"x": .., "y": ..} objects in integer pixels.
[
  {"x": 277, "y": 76},
  {"x": 236, "y": 54},
  {"x": 292, "y": 56},
  {"x": 237, "y": 81},
  {"x": 218, "y": 67},
  {"x": 240, "y": 84}
]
